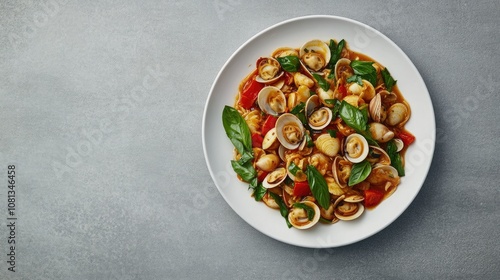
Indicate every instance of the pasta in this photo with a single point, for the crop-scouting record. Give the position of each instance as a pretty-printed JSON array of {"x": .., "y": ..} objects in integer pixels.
[{"x": 319, "y": 132}]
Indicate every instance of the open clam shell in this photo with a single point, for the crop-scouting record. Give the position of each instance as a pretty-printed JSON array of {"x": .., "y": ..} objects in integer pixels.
[
  {"x": 315, "y": 55},
  {"x": 269, "y": 70},
  {"x": 272, "y": 100},
  {"x": 356, "y": 148},
  {"x": 298, "y": 216},
  {"x": 290, "y": 131}
]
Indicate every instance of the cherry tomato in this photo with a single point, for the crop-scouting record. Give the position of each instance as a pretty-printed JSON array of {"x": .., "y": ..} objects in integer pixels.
[
  {"x": 406, "y": 137},
  {"x": 301, "y": 189},
  {"x": 249, "y": 94},
  {"x": 269, "y": 124},
  {"x": 373, "y": 197},
  {"x": 257, "y": 140}
]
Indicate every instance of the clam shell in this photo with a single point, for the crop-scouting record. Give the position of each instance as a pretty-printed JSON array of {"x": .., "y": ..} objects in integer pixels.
[
  {"x": 272, "y": 100},
  {"x": 274, "y": 178},
  {"x": 356, "y": 148},
  {"x": 290, "y": 131},
  {"x": 298, "y": 217},
  {"x": 269, "y": 70},
  {"x": 315, "y": 54},
  {"x": 347, "y": 211}
]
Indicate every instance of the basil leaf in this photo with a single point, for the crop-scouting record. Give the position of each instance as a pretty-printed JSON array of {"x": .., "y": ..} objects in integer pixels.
[
  {"x": 366, "y": 70},
  {"x": 333, "y": 133},
  {"x": 388, "y": 80},
  {"x": 293, "y": 168},
  {"x": 247, "y": 156},
  {"x": 355, "y": 78},
  {"x": 298, "y": 108},
  {"x": 259, "y": 192},
  {"x": 289, "y": 63},
  {"x": 335, "y": 53},
  {"x": 395, "y": 157},
  {"x": 359, "y": 172},
  {"x": 352, "y": 116},
  {"x": 318, "y": 186},
  {"x": 336, "y": 107},
  {"x": 237, "y": 129},
  {"x": 283, "y": 208},
  {"x": 309, "y": 210},
  {"x": 246, "y": 171},
  {"x": 323, "y": 84},
  {"x": 309, "y": 141}
]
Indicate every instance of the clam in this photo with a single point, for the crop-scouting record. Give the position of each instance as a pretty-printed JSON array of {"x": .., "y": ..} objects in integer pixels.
[
  {"x": 388, "y": 97},
  {"x": 327, "y": 144},
  {"x": 301, "y": 163},
  {"x": 354, "y": 198},
  {"x": 289, "y": 130},
  {"x": 333, "y": 187},
  {"x": 365, "y": 91},
  {"x": 343, "y": 69},
  {"x": 348, "y": 211},
  {"x": 377, "y": 110},
  {"x": 399, "y": 144},
  {"x": 281, "y": 152},
  {"x": 381, "y": 174},
  {"x": 398, "y": 114},
  {"x": 298, "y": 216},
  {"x": 285, "y": 51},
  {"x": 272, "y": 100},
  {"x": 269, "y": 70},
  {"x": 341, "y": 170},
  {"x": 377, "y": 155},
  {"x": 315, "y": 55},
  {"x": 270, "y": 140},
  {"x": 380, "y": 132},
  {"x": 329, "y": 214},
  {"x": 318, "y": 117},
  {"x": 274, "y": 178},
  {"x": 356, "y": 148},
  {"x": 302, "y": 80}
]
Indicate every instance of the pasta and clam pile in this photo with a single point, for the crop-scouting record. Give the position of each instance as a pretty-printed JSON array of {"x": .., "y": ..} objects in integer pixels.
[{"x": 319, "y": 132}]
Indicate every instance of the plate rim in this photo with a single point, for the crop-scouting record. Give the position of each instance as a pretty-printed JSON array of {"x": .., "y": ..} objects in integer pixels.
[{"x": 308, "y": 17}]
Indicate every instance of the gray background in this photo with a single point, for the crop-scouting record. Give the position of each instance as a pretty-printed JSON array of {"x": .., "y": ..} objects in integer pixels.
[{"x": 101, "y": 108}]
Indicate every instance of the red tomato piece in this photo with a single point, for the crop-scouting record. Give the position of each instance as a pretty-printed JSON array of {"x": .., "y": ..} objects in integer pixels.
[
  {"x": 269, "y": 124},
  {"x": 406, "y": 137},
  {"x": 257, "y": 140},
  {"x": 261, "y": 175},
  {"x": 373, "y": 197},
  {"x": 343, "y": 90},
  {"x": 301, "y": 189},
  {"x": 249, "y": 93}
]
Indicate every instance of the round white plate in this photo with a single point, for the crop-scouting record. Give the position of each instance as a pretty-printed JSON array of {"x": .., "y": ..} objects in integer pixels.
[{"x": 293, "y": 33}]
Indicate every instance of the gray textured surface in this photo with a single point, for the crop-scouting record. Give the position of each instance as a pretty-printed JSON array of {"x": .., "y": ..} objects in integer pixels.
[{"x": 127, "y": 207}]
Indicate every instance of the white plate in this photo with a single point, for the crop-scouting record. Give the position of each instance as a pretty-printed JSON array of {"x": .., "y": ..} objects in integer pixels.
[{"x": 293, "y": 33}]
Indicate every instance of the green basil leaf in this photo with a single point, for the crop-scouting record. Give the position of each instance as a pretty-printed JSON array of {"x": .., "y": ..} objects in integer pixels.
[
  {"x": 245, "y": 157},
  {"x": 395, "y": 157},
  {"x": 259, "y": 192},
  {"x": 366, "y": 70},
  {"x": 309, "y": 141},
  {"x": 283, "y": 208},
  {"x": 309, "y": 210},
  {"x": 335, "y": 109},
  {"x": 359, "y": 172},
  {"x": 388, "y": 79},
  {"x": 298, "y": 108},
  {"x": 246, "y": 171},
  {"x": 335, "y": 53},
  {"x": 318, "y": 186},
  {"x": 293, "y": 168},
  {"x": 237, "y": 129},
  {"x": 323, "y": 84},
  {"x": 333, "y": 133},
  {"x": 289, "y": 63},
  {"x": 352, "y": 116},
  {"x": 356, "y": 79}
]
